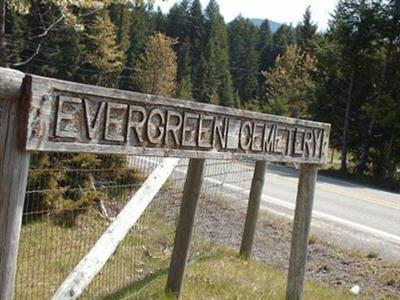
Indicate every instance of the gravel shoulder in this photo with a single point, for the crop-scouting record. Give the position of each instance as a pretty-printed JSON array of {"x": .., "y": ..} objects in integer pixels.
[{"x": 221, "y": 222}]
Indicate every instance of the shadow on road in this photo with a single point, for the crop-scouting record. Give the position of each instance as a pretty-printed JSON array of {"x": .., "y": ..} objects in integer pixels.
[{"x": 294, "y": 173}]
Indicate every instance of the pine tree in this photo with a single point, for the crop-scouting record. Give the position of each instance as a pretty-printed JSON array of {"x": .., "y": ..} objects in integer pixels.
[
  {"x": 266, "y": 57},
  {"x": 243, "y": 38},
  {"x": 159, "y": 21},
  {"x": 62, "y": 14},
  {"x": 178, "y": 20},
  {"x": 290, "y": 83},
  {"x": 156, "y": 68},
  {"x": 282, "y": 38},
  {"x": 218, "y": 79},
  {"x": 140, "y": 32},
  {"x": 306, "y": 31},
  {"x": 64, "y": 59},
  {"x": 197, "y": 56},
  {"x": 352, "y": 28},
  {"x": 178, "y": 26},
  {"x": 58, "y": 55},
  {"x": 16, "y": 27},
  {"x": 265, "y": 46},
  {"x": 102, "y": 54},
  {"x": 387, "y": 24},
  {"x": 120, "y": 16}
]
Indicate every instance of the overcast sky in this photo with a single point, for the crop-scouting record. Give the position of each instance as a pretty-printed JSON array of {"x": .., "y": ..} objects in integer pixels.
[{"x": 282, "y": 11}]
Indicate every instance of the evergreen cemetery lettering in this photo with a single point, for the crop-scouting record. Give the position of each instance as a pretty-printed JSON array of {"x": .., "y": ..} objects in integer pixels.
[{"x": 73, "y": 117}]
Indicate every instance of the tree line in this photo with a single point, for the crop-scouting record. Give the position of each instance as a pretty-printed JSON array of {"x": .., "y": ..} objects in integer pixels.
[{"x": 347, "y": 75}]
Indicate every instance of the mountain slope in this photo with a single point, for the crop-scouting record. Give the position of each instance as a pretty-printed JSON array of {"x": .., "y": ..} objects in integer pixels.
[{"x": 272, "y": 24}]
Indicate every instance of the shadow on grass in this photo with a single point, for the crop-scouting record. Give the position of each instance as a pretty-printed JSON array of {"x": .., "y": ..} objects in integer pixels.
[{"x": 135, "y": 287}]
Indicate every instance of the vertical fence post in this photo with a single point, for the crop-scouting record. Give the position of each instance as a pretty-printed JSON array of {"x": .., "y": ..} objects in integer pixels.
[
  {"x": 14, "y": 165},
  {"x": 253, "y": 207},
  {"x": 301, "y": 230},
  {"x": 184, "y": 229}
]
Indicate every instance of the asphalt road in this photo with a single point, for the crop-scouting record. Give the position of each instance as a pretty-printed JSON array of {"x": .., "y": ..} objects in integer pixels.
[
  {"x": 349, "y": 214},
  {"x": 352, "y": 215},
  {"x": 370, "y": 210}
]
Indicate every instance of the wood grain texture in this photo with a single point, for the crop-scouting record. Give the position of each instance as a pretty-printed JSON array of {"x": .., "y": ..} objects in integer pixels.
[
  {"x": 14, "y": 165},
  {"x": 95, "y": 259},
  {"x": 10, "y": 83},
  {"x": 253, "y": 207},
  {"x": 301, "y": 230},
  {"x": 184, "y": 229},
  {"x": 71, "y": 117}
]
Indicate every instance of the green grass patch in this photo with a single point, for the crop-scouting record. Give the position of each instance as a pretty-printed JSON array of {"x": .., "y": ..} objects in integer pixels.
[
  {"x": 222, "y": 275},
  {"x": 49, "y": 252}
]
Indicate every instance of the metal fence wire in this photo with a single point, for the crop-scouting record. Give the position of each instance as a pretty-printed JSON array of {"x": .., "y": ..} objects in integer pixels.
[{"x": 72, "y": 198}]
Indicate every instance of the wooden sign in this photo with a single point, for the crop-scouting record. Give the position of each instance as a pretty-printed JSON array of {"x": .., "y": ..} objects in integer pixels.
[{"x": 71, "y": 117}]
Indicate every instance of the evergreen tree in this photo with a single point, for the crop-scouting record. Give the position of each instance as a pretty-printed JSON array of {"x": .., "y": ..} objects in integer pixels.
[
  {"x": 386, "y": 20},
  {"x": 197, "y": 55},
  {"x": 306, "y": 31},
  {"x": 385, "y": 147},
  {"x": 178, "y": 26},
  {"x": 266, "y": 57},
  {"x": 265, "y": 45},
  {"x": 120, "y": 16},
  {"x": 63, "y": 57},
  {"x": 102, "y": 54},
  {"x": 282, "y": 38},
  {"x": 16, "y": 27},
  {"x": 243, "y": 38},
  {"x": 178, "y": 20},
  {"x": 290, "y": 84},
  {"x": 58, "y": 55},
  {"x": 218, "y": 78},
  {"x": 159, "y": 21},
  {"x": 156, "y": 68},
  {"x": 140, "y": 32},
  {"x": 58, "y": 14},
  {"x": 352, "y": 29}
]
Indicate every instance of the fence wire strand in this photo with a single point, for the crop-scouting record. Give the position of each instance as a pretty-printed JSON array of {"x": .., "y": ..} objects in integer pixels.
[{"x": 71, "y": 199}]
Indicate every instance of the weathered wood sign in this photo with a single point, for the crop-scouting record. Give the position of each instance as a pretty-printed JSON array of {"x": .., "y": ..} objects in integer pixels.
[{"x": 72, "y": 117}]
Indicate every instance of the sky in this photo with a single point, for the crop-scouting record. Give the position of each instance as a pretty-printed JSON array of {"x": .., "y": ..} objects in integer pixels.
[{"x": 282, "y": 11}]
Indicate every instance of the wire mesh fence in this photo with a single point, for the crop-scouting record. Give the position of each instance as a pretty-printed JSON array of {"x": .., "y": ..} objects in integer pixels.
[{"x": 71, "y": 199}]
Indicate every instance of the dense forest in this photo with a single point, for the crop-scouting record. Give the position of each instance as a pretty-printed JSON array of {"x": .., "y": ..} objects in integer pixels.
[{"x": 348, "y": 75}]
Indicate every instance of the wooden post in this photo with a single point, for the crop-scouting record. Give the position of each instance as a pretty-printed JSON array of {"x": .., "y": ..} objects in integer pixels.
[
  {"x": 301, "y": 229},
  {"x": 252, "y": 209},
  {"x": 14, "y": 165},
  {"x": 191, "y": 193}
]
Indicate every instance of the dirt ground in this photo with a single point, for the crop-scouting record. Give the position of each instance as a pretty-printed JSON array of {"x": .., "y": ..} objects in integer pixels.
[{"x": 222, "y": 223}]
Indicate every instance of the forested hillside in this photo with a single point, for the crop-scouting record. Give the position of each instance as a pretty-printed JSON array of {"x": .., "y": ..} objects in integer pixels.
[{"x": 348, "y": 76}]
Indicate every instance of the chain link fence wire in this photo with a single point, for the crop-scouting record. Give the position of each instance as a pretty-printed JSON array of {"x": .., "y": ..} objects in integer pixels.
[
  {"x": 72, "y": 198},
  {"x": 223, "y": 202}
]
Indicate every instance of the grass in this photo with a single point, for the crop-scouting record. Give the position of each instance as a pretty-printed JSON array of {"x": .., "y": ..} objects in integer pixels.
[
  {"x": 372, "y": 254},
  {"x": 138, "y": 269},
  {"x": 49, "y": 252},
  {"x": 313, "y": 239},
  {"x": 223, "y": 275}
]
